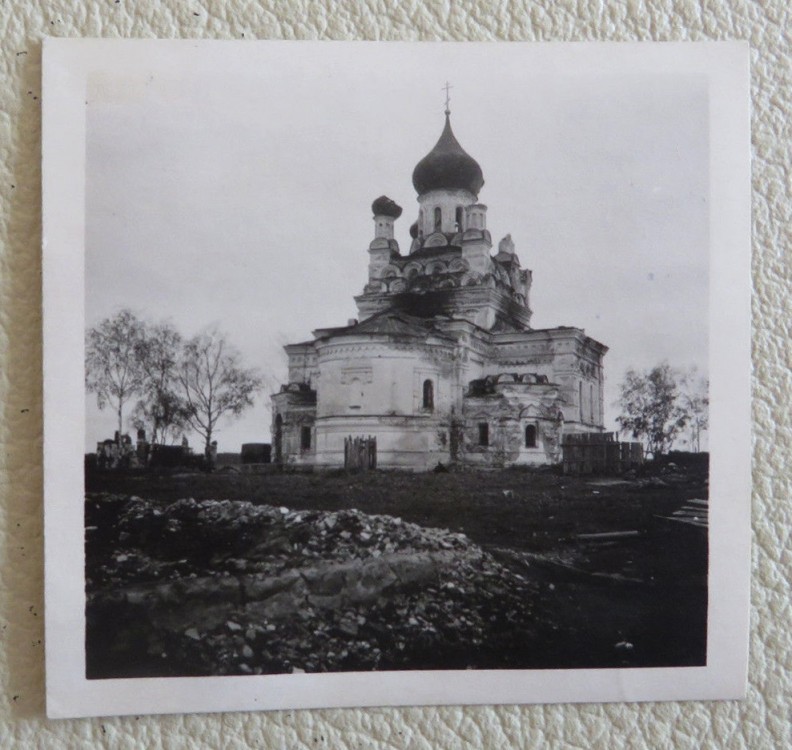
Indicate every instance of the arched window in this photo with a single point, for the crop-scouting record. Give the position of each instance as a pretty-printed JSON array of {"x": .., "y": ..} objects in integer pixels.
[
  {"x": 530, "y": 436},
  {"x": 591, "y": 401},
  {"x": 428, "y": 394},
  {"x": 459, "y": 218},
  {"x": 438, "y": 219},
  {"x": 305, "y": 437},
  {"x": 355, "y": 393},
  {"x": 483, "y": 430}
]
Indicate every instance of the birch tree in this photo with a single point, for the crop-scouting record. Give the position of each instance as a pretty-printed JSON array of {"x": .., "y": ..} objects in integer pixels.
[
  {"x": 113, "y": 368},
  {"x": 694, "y": 397},
  {"x": 160, "y": 408},
  {"x": 650, "y": 407}
]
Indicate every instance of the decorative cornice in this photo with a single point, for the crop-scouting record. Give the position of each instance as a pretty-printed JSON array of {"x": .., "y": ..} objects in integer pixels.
[{"x": 330, "y": 351}]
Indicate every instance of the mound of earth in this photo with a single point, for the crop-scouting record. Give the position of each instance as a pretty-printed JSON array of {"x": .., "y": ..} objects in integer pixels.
[{"x": 228, "y": 587}]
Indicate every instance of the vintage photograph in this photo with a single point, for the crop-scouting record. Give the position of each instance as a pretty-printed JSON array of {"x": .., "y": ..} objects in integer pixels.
[{"x": 396, "y": 358}]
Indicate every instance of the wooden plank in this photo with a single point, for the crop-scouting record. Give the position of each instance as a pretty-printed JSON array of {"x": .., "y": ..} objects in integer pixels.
[{"x": 609, "y": 535}]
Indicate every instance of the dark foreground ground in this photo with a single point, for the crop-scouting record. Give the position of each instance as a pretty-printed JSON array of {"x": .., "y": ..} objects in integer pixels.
[{"x": 506, "y": 569}]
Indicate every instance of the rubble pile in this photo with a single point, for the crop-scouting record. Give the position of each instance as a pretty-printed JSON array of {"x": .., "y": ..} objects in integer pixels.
[{"x": 228, "y": 587}]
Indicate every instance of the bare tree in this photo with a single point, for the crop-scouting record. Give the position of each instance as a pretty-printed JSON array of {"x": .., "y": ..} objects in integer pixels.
[
  {"x": 213, "y": 383},
  {"x": 113, "y": 369}
]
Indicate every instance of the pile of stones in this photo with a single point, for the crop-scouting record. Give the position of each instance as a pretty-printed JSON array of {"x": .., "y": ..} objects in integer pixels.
[{"x": 228, "y": 587}]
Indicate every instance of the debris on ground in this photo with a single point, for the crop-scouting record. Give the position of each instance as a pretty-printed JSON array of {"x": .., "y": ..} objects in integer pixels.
[
  {"x": 228, "y": 587},
  {"x": 311, "y": 584}
]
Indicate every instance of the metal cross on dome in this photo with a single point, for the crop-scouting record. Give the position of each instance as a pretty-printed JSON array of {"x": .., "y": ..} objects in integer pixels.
[{"x": 447, "y": 88}]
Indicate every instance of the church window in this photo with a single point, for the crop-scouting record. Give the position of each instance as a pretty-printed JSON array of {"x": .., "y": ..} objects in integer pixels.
[
  {"x": 428, "y": 395},
  {"x": 580, "y": 399},
  {"x": 438, "y": 219},
  {"x": 355, "y": 393},
  {"x": 305, "y": 437},
  {"x": 591, "y": 402},
  {"x": 530, "y": 436},
  {"x": 483, "y": 430},
  {"x": 459, "y": 218}
]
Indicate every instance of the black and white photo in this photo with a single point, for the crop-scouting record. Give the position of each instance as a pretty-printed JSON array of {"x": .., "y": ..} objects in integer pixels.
[{"x": 397, "y": 373}]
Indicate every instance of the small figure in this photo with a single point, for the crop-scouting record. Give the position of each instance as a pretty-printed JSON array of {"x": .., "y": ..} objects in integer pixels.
[{"x": 210, "y": 455}]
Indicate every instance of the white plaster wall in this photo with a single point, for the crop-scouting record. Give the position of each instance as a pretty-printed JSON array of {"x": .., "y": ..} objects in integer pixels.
[
  {"x": 447, "y": 201},
  {"x": 366, "y": 388},
  {"x": 762, "y": 721},
  {"x": 377, "y": 380},
  {"x": 505, "y": 438},
  {"x": 303, "y": 368},
  {"x": 402, "y": 443}
]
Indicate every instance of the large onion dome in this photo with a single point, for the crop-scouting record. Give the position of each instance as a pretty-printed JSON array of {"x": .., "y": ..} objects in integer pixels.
[{"x": 447, "y": 167}]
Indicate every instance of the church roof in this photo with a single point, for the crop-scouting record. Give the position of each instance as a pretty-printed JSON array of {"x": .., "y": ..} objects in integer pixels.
[
  {"x": 391, "y": 323},
  {"x": 448, "y": 166}
]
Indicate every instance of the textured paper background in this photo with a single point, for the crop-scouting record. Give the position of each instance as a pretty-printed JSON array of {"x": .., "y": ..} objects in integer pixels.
[{"x": 763, "y": 720}]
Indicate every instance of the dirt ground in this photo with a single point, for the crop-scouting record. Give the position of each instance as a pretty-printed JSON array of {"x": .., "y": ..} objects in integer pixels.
[{"x": 612, "y": 581}]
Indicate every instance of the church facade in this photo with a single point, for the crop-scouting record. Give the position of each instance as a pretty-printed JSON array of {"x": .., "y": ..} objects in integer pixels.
[{"x": 442, "y": 365}]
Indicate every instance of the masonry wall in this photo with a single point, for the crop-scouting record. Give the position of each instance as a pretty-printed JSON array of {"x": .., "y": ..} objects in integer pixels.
[
  {"x": 412, "y": 443},
  {"x": 379, "y": 378}
]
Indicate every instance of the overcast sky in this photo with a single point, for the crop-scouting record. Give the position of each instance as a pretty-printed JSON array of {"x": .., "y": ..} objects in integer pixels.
[{"x": 233, "y": 187}]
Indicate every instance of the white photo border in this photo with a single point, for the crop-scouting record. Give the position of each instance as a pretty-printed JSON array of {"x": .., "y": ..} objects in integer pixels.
[{"x": 67, "y": 66}]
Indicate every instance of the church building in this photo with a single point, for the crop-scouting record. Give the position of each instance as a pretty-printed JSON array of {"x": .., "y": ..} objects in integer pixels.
[{"x": 441, "y": 365}]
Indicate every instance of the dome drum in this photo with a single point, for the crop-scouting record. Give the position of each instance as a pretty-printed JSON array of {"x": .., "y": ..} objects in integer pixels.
[{"x": 444, "y": 210}]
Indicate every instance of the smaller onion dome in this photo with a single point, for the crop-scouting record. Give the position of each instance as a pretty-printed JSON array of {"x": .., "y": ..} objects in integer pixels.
[
  {"x": 414, "y": 230},
  {"x": 384, "y": 206}
]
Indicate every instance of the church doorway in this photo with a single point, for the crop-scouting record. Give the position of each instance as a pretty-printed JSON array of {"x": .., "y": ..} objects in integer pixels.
[
  {"x": 530, "y": 436},
  {"x": 278, "y": 439}
]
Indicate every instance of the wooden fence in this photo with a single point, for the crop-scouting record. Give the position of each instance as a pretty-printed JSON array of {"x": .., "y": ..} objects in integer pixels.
[
  {"x": 599, "y": 453},
  {"x": 360, "y": 454}
]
